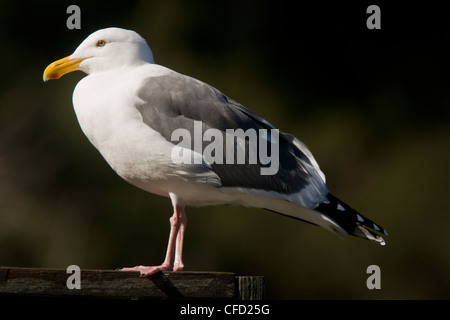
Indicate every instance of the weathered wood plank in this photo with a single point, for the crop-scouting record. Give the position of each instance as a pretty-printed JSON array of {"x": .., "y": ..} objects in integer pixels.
[
  {"x": 250, "y": 288},
  {"x": 117, "y": 284}
]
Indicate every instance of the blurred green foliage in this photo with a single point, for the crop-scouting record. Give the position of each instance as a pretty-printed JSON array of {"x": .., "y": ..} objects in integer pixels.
[{"x": 373, "y": 106}]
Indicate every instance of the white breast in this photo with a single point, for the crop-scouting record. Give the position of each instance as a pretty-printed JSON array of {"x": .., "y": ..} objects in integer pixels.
[
  {"x": 105, "y": 105},
  {"x": 108, "y": 117}
]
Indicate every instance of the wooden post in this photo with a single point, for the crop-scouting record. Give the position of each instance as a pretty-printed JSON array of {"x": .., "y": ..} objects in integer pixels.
[
  {"x": 114, "y": 284},
  {"x": 250, "y": 288}
]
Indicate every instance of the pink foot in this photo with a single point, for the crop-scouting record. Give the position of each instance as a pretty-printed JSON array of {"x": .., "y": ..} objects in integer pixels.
[
  {"x": 148, "y": 271},
  {"x": 173, "y": 260}
]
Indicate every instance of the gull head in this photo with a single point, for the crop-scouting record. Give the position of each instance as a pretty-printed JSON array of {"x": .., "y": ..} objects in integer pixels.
[{"x": 103, "y": 50}]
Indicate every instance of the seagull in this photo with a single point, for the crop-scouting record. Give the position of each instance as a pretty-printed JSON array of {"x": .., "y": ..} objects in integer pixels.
[{"x": 139, "y": 116}]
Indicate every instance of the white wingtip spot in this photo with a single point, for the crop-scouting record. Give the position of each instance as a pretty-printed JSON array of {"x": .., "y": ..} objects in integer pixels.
[
  {"x": 376, "y": 227},
  {"x": 360, "y": 219},
  {"x": 339, "y": 207}
]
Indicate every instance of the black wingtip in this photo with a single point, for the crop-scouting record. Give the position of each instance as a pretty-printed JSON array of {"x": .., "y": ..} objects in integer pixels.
[{"x": 351, "y": 220}]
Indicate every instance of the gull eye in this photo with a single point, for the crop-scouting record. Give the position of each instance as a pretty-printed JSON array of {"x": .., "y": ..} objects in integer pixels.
[{"x": 100, "y": 43}]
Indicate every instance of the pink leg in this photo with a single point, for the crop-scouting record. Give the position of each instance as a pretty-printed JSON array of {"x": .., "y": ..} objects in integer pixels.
[
  {"x": 173, "y": 260},
  {"x": 178, "y": 262}
]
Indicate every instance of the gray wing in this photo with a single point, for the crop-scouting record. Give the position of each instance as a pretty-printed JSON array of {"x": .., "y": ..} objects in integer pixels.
[{"x": 174, "y": 101}]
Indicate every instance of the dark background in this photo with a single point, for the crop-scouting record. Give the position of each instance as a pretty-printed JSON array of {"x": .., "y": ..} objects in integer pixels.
[{"x": 372, "y": 105}]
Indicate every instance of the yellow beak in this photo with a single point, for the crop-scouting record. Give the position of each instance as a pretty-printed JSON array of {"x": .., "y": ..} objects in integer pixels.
[{"x": 57, "y": 69}]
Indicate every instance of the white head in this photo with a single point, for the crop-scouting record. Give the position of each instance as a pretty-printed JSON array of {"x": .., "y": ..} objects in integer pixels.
[{"x": 103, "y": 50}]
